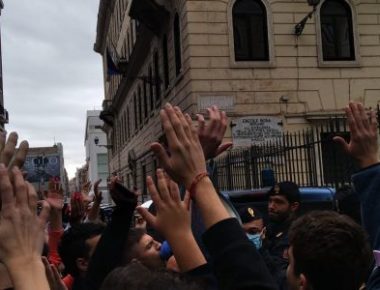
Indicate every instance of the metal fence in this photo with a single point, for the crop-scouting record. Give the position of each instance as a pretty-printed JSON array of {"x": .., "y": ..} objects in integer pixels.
[{"x": 310, "y": 158}]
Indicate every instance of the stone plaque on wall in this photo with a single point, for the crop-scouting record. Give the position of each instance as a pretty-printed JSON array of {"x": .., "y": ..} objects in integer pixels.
[
  {"x": 249, "y": 131},
  {"x": 224, "y": 103}
]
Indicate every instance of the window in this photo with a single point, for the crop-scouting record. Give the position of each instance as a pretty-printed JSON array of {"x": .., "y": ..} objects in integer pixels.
[
  {"x": 145, "y": 88},
  {"x": 135, "y": 112},
  {"x": 102, "y": 165},
  {"x": 177, "y": 45},
  {"x": 157, "y": 78},
  {"x": 151, "y": 91},
  {"x": 250, "y": 31},
  {"x": 337, "y": 31},
  {"x": 140, "y": 107},
  {"x": 128, "y": 125},
  {"x": 165, "y": 58}
]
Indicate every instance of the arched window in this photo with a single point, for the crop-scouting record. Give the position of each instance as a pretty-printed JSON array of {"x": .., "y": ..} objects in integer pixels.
[
  {"x": 337, "y": 31},
  {"x": 177, "y": 44},
  {"x": 250, "y": 31}
]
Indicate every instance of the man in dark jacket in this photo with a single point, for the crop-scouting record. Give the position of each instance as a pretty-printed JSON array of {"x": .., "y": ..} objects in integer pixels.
[{"x": 283, "y": 204}]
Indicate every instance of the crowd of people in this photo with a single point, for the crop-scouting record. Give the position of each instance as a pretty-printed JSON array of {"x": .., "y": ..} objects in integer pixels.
[{"x": 188, "y": 239}]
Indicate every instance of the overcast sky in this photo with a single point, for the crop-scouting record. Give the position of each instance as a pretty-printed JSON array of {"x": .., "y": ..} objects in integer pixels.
[{"x": 51, "y": 73}]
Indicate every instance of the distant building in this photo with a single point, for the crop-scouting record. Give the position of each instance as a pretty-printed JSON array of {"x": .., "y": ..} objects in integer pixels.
[
  {"x": 96, "y": 152},
  {"x": 3, "y": 112},
  {"x": 251, "y": 58},
  {"x": 44, "y": 164}
]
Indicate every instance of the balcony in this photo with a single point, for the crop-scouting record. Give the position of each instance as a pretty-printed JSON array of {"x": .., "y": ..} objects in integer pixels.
[
  {"x": 107, "y": 114},
  {"x": 149, "y": 13}
]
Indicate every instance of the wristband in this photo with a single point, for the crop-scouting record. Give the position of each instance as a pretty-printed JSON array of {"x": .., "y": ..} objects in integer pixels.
[{"x": 195, "y": 182}]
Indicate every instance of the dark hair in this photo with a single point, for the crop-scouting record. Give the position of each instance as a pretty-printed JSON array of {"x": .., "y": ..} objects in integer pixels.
[
  {"x": 331, "y": 250},
  {"x": 134, "y": 236},
  {"x": 135, "y": 276},
  {"x": 73, "y": 244}
]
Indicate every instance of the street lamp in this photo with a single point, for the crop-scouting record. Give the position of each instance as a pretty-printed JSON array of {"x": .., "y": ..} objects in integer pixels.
[
  {"x": 96, "y": 141},
  {"x": 298, "y": 29}
]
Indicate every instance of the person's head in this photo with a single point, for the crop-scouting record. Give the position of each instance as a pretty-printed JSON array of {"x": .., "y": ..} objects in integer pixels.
[
  {"x": 252, "y": 220},
  {"x": 77, "y": 246},
  {"x": 142, "y": 247},
  {"x": 136, "y": 276},
  {"x": 283, "y": 201},
  {"x": 327, "y": 251}
]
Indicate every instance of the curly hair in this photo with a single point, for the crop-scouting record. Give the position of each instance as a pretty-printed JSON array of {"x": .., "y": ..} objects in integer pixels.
[{"x": 331, "y": 250}]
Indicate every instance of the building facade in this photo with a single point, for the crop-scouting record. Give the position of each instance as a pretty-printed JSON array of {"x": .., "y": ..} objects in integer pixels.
[
  {"x": 46, "y": 164},
  {"x": 95, "y": 142},
  {"x": 245, "y": 56},
  {"x": 3, "y": 112}
]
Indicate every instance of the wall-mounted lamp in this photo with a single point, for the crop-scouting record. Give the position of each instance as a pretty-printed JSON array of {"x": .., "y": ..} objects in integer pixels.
[
  {"x": 298, "y": 29},
  {"x": 96, "y": 141}
]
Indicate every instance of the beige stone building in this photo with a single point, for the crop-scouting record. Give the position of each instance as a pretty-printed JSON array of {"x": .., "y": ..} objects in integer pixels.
[{"x": 241, "y": 55}]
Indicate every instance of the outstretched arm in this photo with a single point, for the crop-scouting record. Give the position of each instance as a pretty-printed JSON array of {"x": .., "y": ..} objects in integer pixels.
[
  {"x": 364, "y": 147},
  {"x": 237, "y": 263},
  {"x": 22, "y": 231},
  {"x": 172, "y": 213},
  {"x": 107, "y": 255}
]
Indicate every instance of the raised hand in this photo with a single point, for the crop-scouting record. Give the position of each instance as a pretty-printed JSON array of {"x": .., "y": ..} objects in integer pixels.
[
  {"x": 53, "y": 277},
  {"x": 120, "y": 194},
  {"x": 97, "y": 193},
  {"x": 363, "y": 145},
  {"x": 9, "y": 155},
  {"x": 22, "y": 231},
  {"x": 77, "y": 208},
  {"x": 173, "y": 215},
  {"x": 186, "y": 159},
  {"x": 173, "y": 221},
  {"x": 54, "y": 196},
  {"x": 212, "y": 134}
]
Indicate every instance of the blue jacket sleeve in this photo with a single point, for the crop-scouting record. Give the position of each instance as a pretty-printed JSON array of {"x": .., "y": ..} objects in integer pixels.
[{"x": 367, "y": 186}]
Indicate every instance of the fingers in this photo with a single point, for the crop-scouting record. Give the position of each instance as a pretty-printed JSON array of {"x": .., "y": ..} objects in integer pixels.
[
  {"x": 32, "y": 197},
  {"x": 163, "y": 186},
  {"x": 201, "y": 124},
  {"x": 224, "y": 147},
  {"x": 153, "y": 191},
  {"x": 161, "y": 154},
  {"x": 19, "y": 158},
  {"x": 187, "y": 200},
  {"x": 20, "y": 188},
  {"x": 174, "y": 191},
  {"x": 184, "y": 124},
  {"x": 373, "y": 121},
  {"x": 342, "y": 142},
  {"x": 146, "y": 215},
  {"x": 44, "y": 214},
  {"x": 9, "y": 149},
  {"x": 174, "y": 115},
  {"x": 170, "y": 133},
  {"x": 49, "y": 272},
  {"x": 6, "y": 189},
  {"x": 351, "y": 120}
]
